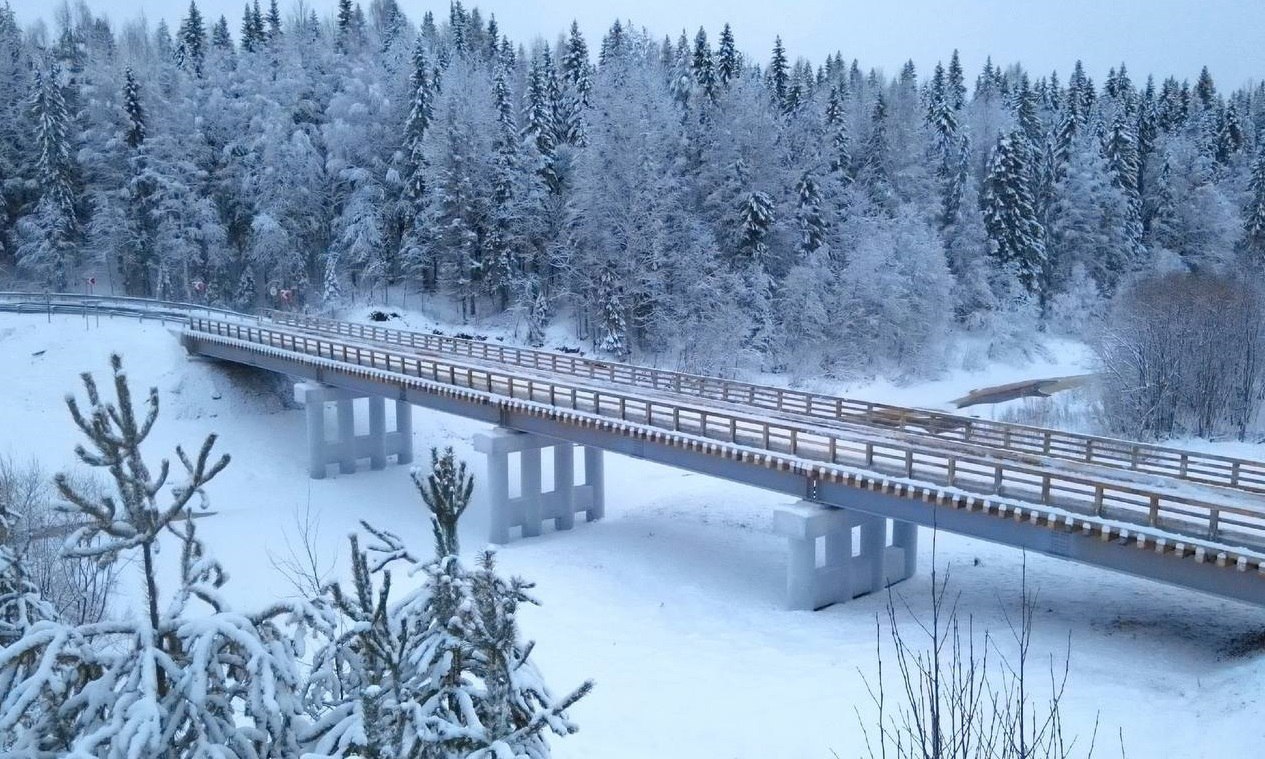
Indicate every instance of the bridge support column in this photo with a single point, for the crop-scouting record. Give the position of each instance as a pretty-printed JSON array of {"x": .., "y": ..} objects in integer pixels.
[
  {"x": 822, "y": 566},
  {"x": 532, "y": 506},
  {"x": 347, "y": 447}
]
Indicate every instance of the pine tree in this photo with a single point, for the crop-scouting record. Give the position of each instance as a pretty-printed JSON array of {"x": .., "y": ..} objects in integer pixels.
[
  {"x": 612, "y": 44},
  {"x": 612, "y": 335},
  {"x": 437, "y": 673},
  {"x": 48, "y": 234},
  {"x": 220, "y": 38},
  {"x": 1254, "y": 213},
  {"x": 176, "y": 680},
  {"x": 1206, "y": 90},
  {"x": 756, "y": 221},
  {"x": 576, "y": 69},
  {"x": 728, "y": 62},
  {"x": 346, "y": 22},
  {"x": 1123, "y": 161},
  {"x": 1230, "y": 134},
  {"x": 250, "y": 42},
  {"x": 1015, "y": 235},
  {"x": 274, "y": 22},
  {"x": 876, "y": 167},
  {"x": 840, "y": 140},
  {"x": 136, "y": 129},
  {"x": 778, "y": 76},
  {"x": 955, "y": 84},
  {"x": 419, "y": 118},
  {"x": 704, "y": 71},
  {"x": 191, "y": 49},
  {"x": 812, "y": 226}
]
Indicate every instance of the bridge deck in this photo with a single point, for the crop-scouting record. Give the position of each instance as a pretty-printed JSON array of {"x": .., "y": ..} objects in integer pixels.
[
  {"x": 1240, "y": 474},
  {"x": 1197, "y": 535}
]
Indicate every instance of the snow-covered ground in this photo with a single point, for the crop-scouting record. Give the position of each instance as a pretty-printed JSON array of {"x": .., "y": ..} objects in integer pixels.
[{"x": 673, "y": 602}]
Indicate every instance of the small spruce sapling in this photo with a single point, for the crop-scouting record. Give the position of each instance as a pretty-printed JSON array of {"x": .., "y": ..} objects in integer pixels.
[{"x": 440, "y": 673}]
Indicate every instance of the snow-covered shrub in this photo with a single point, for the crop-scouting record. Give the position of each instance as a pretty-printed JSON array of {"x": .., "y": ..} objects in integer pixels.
[{"x": 438, "y": 672}]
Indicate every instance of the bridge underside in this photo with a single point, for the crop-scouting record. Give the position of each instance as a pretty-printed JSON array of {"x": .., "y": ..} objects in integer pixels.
[{"x": 1115, "y": 551}]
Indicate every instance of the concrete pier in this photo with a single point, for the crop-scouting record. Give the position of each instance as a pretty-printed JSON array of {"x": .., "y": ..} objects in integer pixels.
[
  {"x": 533, "y": 506},
  {"x": 347, "y": 448},
  {"x": 823, "y": 568}
]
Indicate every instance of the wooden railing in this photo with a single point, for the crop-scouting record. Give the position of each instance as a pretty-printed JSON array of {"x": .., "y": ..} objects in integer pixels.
[
  {"x": 1206, "y": 468},
  {"x": 1212, "y": 514}
]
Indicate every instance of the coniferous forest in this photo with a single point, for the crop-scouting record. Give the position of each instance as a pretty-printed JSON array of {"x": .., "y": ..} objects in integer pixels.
[{"x": 673, "y": 199}]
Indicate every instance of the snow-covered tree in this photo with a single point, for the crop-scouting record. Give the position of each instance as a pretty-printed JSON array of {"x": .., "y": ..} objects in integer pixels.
[
  {"x": 437, "y": 672},
  {"x": 1254, "y": 212},
  {"x": 187, "y": 677},
  {"x": 48, "y": 234},
  {"x": 1016, "y": 239}
]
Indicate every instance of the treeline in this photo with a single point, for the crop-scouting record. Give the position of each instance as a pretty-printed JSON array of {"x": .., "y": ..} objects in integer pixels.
[{"x": 671, "y": 198}]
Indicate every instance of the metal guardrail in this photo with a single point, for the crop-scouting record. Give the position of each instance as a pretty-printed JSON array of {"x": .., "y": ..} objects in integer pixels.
[
  {"x": 1204, "y": 468},
  {"x": 1214, "y": 514},
  {"x": 110, "y": 305}
]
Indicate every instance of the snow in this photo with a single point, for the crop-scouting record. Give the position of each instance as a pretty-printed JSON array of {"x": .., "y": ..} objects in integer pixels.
[{"x": 673, "y": 603}]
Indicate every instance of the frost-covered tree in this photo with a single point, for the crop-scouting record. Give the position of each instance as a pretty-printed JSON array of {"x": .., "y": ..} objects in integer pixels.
[
  {"x": 1016, "y": 239},
  {"x": 191, "y": 41},
  {"x": 48, "y": 234},
  {"x": 778, "y": 74},
  {"x": 437, "y": 672},
  {"x": 187, "y": 677},
  {"x": 1254, "y": 212},
  {"x": 728, "y": 60}
]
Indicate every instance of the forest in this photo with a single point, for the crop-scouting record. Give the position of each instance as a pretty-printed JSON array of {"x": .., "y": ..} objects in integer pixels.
[{"x": 675, "y": 201}]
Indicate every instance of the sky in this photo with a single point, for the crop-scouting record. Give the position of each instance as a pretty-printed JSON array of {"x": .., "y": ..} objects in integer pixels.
[{"x": 1159, "y": 37}]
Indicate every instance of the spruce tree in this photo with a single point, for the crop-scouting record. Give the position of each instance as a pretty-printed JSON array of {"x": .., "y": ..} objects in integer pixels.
[
  {"x": 345, "y": 21},
  {"x": 437, "y": 673},
  {"x": 755, "y": 217},
  {"x": 249, "y": 41},
  {"x": 49, "y": 234},
  {"x": 191, "y": 48},
  {"x": 778, "y": 76},
  {"x": 576, "y": 69},
  {"x": 1014, "y": 232},
  {"x": 274, "y": 21},
  {"x": 134, "y": 135},
  {"x": 808, "y": 216},
  {"x": 728, "y": 62},
  {"x": 1254, "y": 213},
  {"x": 221, "y": 39},
  {"x": 955, "y": 83},
  {"x": 877, "y": 159},
  {"x": 840, "y": 140},
  {"x": 704, "y": 71}
]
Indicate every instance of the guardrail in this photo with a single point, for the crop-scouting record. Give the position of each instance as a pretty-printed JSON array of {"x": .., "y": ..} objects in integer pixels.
[
  {"x": 110, "y": 305},
  {"x": 1213, "y": 516},
  {"x": 1205, "y": 468}
]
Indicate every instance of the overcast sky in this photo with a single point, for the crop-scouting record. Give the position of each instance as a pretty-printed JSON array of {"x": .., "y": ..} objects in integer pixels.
[{"x": 1152, "y": 36}]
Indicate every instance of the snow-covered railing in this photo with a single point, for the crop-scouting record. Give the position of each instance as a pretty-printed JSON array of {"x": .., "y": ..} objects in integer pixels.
[
  {"x": 1206, "y": 468},
  {"x": 1182, "y": 509},
  {"x": 110, "y": 305}
]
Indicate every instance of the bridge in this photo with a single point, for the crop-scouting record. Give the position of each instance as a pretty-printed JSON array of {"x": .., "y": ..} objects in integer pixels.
[{"x": 866, "y": 475}]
